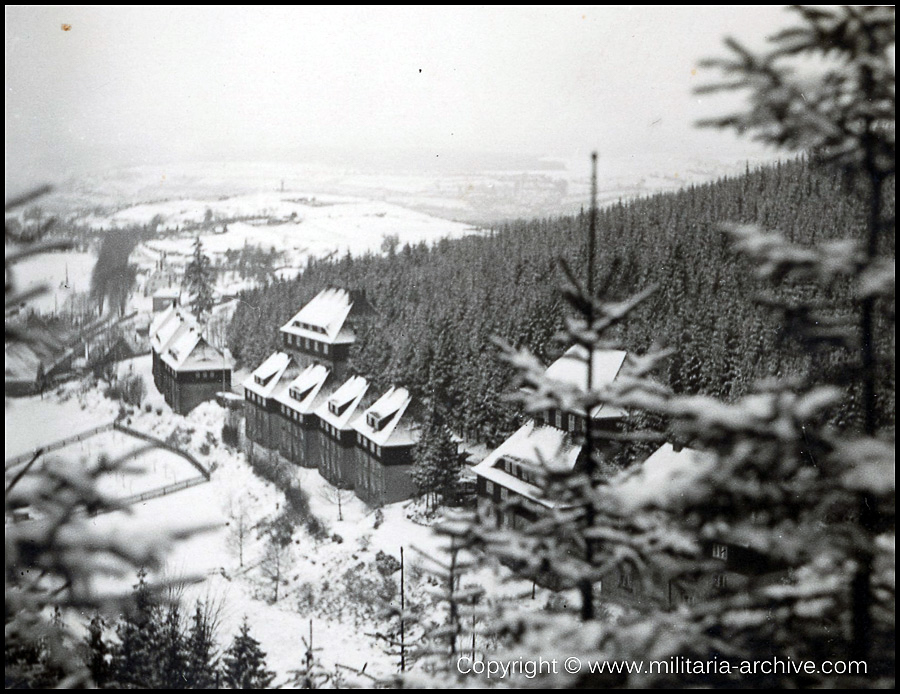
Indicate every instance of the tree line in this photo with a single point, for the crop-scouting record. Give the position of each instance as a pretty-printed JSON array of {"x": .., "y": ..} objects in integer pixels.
[{"x": 439, "y": 306}]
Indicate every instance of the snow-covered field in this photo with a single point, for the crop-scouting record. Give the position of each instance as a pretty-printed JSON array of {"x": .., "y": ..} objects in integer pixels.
[
  {"x": 334, "y": 582},
  {"x": 63, "y": 274}
]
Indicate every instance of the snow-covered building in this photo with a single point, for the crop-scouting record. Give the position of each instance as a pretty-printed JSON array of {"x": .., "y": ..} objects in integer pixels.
[
  {"x": 509, "y": 480},
  {"x": 187, "y": 369},
  {"x": 669, "y": 477},
  {"x": 299, "y": 425},
  {"x": 263, "y": 424},
  {"x": 335, "y": 441},
  {"x": 322, "y": 332},
  {"x": 571, "y": 369},
  {"x": 385, "y": 437},
  {"x": 165, "y": 298}
]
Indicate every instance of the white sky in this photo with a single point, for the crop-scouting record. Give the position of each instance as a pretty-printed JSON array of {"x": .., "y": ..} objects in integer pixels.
[{"x": 136, "y": 85}]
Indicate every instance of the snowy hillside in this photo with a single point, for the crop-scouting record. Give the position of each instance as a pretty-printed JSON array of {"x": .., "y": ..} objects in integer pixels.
[{"x": 335, "y": 582}]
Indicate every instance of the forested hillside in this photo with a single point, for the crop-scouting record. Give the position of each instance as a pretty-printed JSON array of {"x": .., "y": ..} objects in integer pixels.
[{"x": 439, "y": 306}]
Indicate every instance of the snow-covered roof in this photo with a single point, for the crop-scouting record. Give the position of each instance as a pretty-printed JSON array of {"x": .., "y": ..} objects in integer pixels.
[
  {"x": 666, "y": 476},
  {"x": 159, "y": 319},
  {"x": 306, "y": 392},
  {"x": 340, "y": 407},
  {"x": 537, "y": 446},
  {"x": 572, "y": 368},
  {"x": 165, "y": 328},
  {"x": 167, "y": 293},
  {"x": 177, "y": 338},
  {"x": 381, "y": 422},
  {"x": 189, "y": 351},
  {"x": 265, "y": 378},
  {"x": 323, "y": 318}
]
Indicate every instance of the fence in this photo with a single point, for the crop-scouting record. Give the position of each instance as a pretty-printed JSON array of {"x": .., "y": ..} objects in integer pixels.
[{"x": 62, "y": 443}]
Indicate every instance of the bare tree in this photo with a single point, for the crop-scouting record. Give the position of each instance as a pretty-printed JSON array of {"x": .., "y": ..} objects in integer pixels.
[{"x": 337, "y": 497}]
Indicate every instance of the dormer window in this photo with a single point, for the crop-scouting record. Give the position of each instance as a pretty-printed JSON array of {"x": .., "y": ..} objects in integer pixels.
[
  {"x": 337, "y": 409},
  {"x": 300, "y": 395},
  {"x": 374, "y": 421}
]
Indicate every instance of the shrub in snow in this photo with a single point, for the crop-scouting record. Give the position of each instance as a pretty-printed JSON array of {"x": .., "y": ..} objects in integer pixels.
[{"x": 386, "y": 564}]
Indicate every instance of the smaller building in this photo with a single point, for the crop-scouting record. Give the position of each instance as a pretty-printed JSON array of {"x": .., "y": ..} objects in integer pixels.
[
  {"x": 165, "y": 298},
  {"x": 669, "y": 475},
  {"x": 572, "y": 369},
  {"x": 188, "y": 369},
  {"x": 299, "y": 424},
  {"x": 509, "y": 487},
  {"x": 335, "y": 440},
  {"x": 384, "y": 450}
]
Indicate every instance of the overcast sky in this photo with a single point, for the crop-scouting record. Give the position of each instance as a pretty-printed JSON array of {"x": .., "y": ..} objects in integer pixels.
[{"x": 136, "y": 85}]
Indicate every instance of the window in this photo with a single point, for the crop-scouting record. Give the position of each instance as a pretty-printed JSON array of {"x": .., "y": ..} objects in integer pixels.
[
  {"x": 720, "y": 552},
  {"x": 720, "y": 581},
  {"x": 571, "y": 423},
  {"x": 489, "y": 487},
  {"x": 325, "y": 349},
  {"x": 504, "y": 493}
]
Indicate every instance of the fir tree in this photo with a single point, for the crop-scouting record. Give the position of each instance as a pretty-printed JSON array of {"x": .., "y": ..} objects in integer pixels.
[
  {"x": 201, "y": 666},
  {"x": 136, "y": 658},
  {"x": 437, "y": 468},
  {"x": 98, "y": 653},
  {"x": 245, "y": 662},
  {"x": 199, "y": 279}
]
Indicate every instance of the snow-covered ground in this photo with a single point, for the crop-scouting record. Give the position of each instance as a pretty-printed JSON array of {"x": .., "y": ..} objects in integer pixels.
[
  {"x": 63, "y": 275},
  {"x": 334, "y": 582},
  {"x": 296, "y": 226}
]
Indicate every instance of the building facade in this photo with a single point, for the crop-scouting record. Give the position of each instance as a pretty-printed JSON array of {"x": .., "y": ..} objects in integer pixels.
[
  {"x": 385, "y": 438},
  {"x": 187, "y": 370},
  {"x": 304, "y": 407}
]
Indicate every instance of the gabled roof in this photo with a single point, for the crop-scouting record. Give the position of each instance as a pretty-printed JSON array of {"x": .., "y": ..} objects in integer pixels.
[
  {"x": 667, "y": 475},
  {"x": 381, "y": 422},
  {"x": 161, "y": 318},
  {"x": 537, "y": 446},
  {"x": 572, "y": 368},
  {"x": 171, "y": 322},
  {"x": 189, "y": 351},
  {"x": 323, "y": 318},
  {"x": 346, "y": 400},
  {"x": 269, "y": 373},
  {"x": 309, "y": 385}
]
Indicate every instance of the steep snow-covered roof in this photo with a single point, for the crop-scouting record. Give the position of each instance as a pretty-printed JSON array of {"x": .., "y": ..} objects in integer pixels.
[
  {"x": 323, "y": 318},
  {"x": 572, "y": 368},
  {"x": 537, "y": 446},
  {"x": 264, "y": 379},
  {"x": 667, "y": 476},
  {"x": 380, "y": 423},
  {"x": 189, "y": 351},
  {"x": 306, "y": 392},
  {"x": 166, "y": 329},
  {"x": 160, "y": 319},
  {"x": 340, "y": 407}
]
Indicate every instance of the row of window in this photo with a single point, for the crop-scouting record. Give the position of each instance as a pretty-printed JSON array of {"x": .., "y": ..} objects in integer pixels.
[
  {"x": 310, "y": 327},
  {"x": 520, "y": 471},
  {"x": 368, "y": 445},
  {"x": 291, "y": 414},
  {"x": 306, "y": 343},
  {"x": 567, "y": 422}
]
